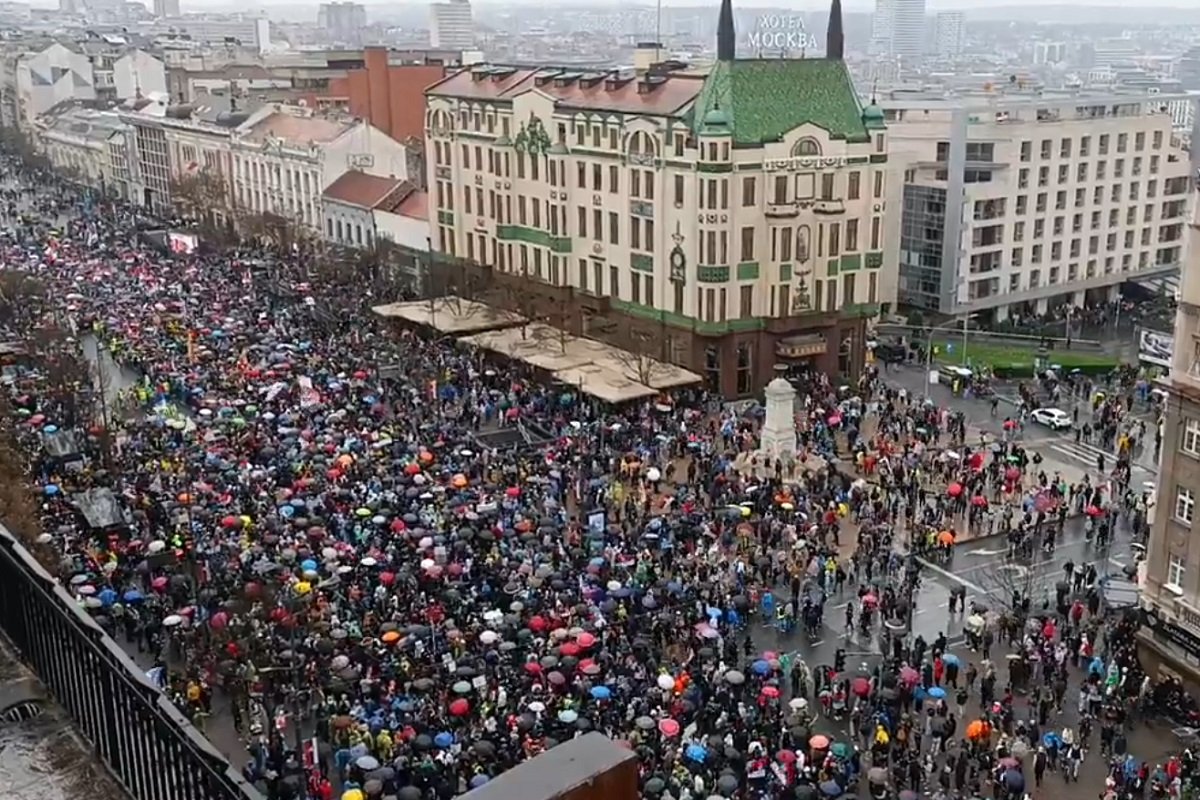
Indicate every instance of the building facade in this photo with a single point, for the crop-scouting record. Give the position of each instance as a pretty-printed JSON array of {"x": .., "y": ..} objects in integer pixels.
[
  {"x": 342, "y": 21},
  {"x": 32, "y": 83},
  {"x": 1021, "y": 203},
  {"x": 76, "y": 142},
  {"x": 949, "y": 34},
  {"x": 275, "y": 161},
  {"x": 1171, "y": 582},
  {"x": 898, "y": 29},
  {"x": 732, "y": 220},
  {"x": 451, "y": 25}
]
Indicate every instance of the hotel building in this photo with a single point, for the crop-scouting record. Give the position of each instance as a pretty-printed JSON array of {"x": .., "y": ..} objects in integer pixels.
[
  {"x": 1021, "y": 202},
  {"x": 733, "y": 220}
]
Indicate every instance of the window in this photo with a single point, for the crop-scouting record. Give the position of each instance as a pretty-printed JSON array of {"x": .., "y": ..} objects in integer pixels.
[
  {"x": 1176, "y": 570},
  {"x": 806, "y": 147},
  {"x": 748, "y": 192},
  {"x": 827, "y": 186},
  {"x": 748, "y": 243},
  {"x": 852, "y": 186},
  {"x": 746, "y": 301},
  {"x": 678, "y": 190},
  {"x": 614, "y": 228},
  {"x": 1191, "y": 438},
  {"x": 745, "y": 369},
  {"x": 1185, "y": 505}
]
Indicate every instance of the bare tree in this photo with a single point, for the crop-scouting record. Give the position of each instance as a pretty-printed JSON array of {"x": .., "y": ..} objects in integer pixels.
[
  {"x": 638, "y": 350},
  {"x": 202, "y": 196}
]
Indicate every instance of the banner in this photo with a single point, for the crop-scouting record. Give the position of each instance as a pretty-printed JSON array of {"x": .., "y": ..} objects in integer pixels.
[{"x": 1155, "y": 347}]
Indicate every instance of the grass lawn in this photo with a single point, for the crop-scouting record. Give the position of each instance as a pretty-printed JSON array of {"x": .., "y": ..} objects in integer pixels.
[{"x": 1011, "y": 355}]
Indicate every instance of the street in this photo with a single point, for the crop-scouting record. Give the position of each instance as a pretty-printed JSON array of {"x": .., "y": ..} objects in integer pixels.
[{"x": 1059, "y": 450}]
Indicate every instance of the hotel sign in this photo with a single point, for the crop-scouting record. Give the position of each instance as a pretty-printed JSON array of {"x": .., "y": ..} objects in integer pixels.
[
  {"x": 804, "y": 162},
  {"x": 781, "y": 32}
]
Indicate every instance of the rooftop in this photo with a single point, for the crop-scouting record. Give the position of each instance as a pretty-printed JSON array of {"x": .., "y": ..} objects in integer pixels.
[
  {"x": 416, "y": 205},
  {"x": 450, "y": 315},
  {"x": 298, "y": 129},
  {"x": 766, "y": 98},
  {"x": 368, "y": 191},
  {"x": 668, "y": 94}
]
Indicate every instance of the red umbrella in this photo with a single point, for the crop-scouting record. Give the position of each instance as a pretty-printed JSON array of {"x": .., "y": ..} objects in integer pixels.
[
  {"x": 785, "y": 756},
  {"x": 537, "y": 624},
  {"x": 568, "y": 649},
  {"x": 669, "y": 727},
  {"x": 230, "y": 521},
  {"x": 585, "y": 640},
  {"x": 398, "y": 526},
  {"x": 412, "y": 469},
  {"x": 1095, "y": 511},
  {"x": 771, "y": 692},
  {"x": 979, "y": 501},
  {"x": 459, "y": 707},
  {"x": 954, "y": 489},
  {"x": 533, "y": 667},
  {"x": 513, "y": 491},
  {"x": 861, "y": 687}
]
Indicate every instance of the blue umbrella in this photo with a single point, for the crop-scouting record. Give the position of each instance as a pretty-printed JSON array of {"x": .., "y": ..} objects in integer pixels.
[
  {"x": 50, "y": 429},
  {"x": 443, "y": 740},
  {"x": 308, "y": 565},
  {"x": 478, "y": 780},
  {"x": 50, "y": 489},
  {"x": 695, "y": 752},
  {"x": 107, "y": 597},
  {"x": 831, "y": 788},
  {"x": 760, "y": 667},
  {"x": 133, "y": 596},
  {"x": 937, "y": 693},
  {"x": 601, "y": 692},
  {"x": 950, "y": 658}
]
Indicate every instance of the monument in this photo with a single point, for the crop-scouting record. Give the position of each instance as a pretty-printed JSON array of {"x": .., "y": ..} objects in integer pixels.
[{"x": 778, "y": 437}]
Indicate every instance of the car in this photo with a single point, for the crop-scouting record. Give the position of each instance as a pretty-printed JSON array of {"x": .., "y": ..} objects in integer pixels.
[{"x": 1054, "y": 418}]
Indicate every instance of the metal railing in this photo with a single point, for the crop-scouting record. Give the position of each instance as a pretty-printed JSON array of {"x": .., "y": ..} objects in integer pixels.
[{"x": 147, "y": 745}]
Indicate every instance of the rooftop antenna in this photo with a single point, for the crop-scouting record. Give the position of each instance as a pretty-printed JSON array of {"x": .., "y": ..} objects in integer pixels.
[{"x": 658, "y": 32}]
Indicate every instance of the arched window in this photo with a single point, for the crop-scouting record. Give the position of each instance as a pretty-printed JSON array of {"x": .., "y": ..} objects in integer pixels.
[
  {"x": 642, "y": 144},
  {"x": 806, "y": 147}
]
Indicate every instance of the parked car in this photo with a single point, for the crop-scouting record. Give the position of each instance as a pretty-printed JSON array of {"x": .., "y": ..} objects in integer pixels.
[{"x": 1054, "y": 418}]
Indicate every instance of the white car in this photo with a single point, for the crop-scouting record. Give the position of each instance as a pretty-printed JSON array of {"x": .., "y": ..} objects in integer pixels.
[{"x": 1054, "y": 418}]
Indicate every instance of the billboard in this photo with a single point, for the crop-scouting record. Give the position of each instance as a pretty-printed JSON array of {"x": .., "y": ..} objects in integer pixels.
[{"x": 1154, "y": 347}]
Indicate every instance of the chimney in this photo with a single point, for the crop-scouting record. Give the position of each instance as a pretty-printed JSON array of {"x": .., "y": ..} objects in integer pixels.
[
  {"x": 645, "y": 55},
  {"x": 835, "y": 39}
]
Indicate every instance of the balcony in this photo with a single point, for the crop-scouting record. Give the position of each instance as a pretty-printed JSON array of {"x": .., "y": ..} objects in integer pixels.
[
  {"x": 779, "y": 209},
  {"x": 829, "y": 207}
]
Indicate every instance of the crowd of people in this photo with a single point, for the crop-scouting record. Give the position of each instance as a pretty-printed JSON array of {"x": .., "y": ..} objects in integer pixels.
[{"x": 282, "y": 533}]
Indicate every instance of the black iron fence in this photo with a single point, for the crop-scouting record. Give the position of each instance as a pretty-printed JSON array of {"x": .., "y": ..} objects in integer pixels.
[{"x": 146, "y": 743}]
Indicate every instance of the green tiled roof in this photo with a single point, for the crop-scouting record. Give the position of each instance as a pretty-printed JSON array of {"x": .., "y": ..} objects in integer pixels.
[{"x": 766, "y": 98}]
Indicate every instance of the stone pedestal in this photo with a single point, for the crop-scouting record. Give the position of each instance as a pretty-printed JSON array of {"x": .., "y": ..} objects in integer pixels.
[{"x": 778, "y": 436}]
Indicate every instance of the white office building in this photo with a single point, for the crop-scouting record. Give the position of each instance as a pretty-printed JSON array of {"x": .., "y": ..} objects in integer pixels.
[
  {"x": 451, "y": 25},
  {"x": 1022, "y": 203},
  {"x": 1049, "y": 53},
  {"x": 949, "y": 34},
  {"x": 898, "y": 29}
]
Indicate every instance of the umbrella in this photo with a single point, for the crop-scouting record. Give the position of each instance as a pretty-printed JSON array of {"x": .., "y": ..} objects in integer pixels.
[
  {"x": 366, "y": 763},
  {"x": 820, "y": 742},
  {"x": 937, "y": 693},
  {"x": 831, "y": 788},
  {"x": 734, "y": 678}
]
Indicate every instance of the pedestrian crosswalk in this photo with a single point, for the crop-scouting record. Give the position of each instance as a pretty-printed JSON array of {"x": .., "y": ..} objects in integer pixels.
[
  {"x": 1083, "y": 452},
  {"x": 1087, "y": 455}
]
